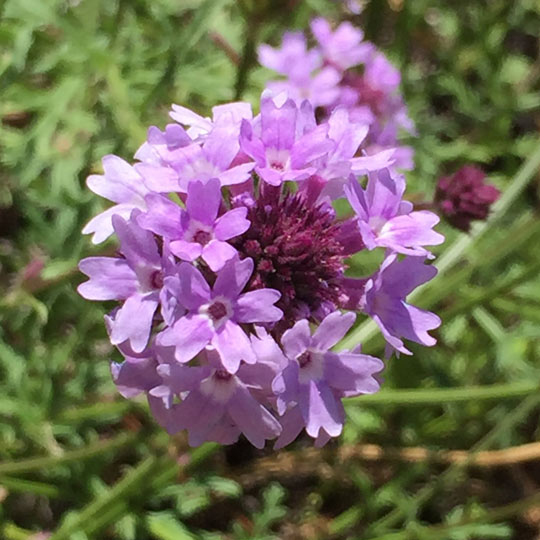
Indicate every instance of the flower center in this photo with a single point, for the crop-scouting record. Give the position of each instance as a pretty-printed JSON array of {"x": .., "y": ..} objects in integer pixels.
[
  {"x": 222, "y": 375},
  {"x": 202, "y": 237},
  {"x": 297, "y": 250},
  {"x": 304, "y": 359},
  {"x": 217, "y": 311},
  {"x": 156, "y": 279}
]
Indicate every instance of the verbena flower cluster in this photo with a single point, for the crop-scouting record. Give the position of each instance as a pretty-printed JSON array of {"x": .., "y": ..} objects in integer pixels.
[
  {"x": 465, "y": 196},
  {"x": 231, "y": 273},
  {"x": 344, "y": 70}
]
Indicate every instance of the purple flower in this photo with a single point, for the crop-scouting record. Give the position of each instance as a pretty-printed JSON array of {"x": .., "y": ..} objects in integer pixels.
[
  {"x": 215, "y": 314},
  {"x": 137, "y": 279},
  {"x": 196, "y": 162},
  {"x": 288, "y": 141},
  {"x": 120, "y": 184},
  {"x": 385, "y": 220},
  {"x": 384, "y": 302},
  {"x": 293, "y": 58},
  {"x": 228, "y": 115},
  {"x": 218, "y": 405},
  {"x": 161, "y": 147},
  {"x": 343, "y": 47},
  {"x": 197, "y": 231},
  {"x": 465, "y": 196},
  {"x": 334, "y": 168},
  {"x": 344, "y": 71},
  {"x": 316, "y": 379}
]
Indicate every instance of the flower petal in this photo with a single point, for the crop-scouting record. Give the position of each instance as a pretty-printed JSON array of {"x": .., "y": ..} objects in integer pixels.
[
  {"x": 189, "y": 336},
  {"x": 110, "y": 279},
  {"x": 258, "y": 306}
]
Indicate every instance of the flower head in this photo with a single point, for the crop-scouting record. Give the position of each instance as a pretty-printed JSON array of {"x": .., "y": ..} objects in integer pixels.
[
  {"x": 465, "y": 196},
  {"x": 232, "y": 275}
]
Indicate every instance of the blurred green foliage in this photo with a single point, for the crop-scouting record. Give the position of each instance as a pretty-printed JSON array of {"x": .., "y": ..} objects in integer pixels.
[{"x": 83, "y": 78}]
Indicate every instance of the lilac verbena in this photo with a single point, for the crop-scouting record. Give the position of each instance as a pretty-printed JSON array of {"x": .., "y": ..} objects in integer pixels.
[
  {"x": 465, "y": 196},
  {"x": 344, "y": 70},
  {"x": 231, "y": 274}
]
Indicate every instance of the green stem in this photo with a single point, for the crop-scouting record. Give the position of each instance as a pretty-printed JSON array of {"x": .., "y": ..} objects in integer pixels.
[
  {"x": 499, "y": 513},
  {"x": 248, "y": 55},
  {"x": 440, "y": 396},
  {"x": 426, "y": 493},
  {"x": 130, "y": 485},
  {"x": 87, "y": 452},
  {"x": 29, "y": 486}
]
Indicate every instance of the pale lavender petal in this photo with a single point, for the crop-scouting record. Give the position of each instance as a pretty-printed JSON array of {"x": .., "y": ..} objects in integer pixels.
[
  {"x": 158, "y": 178},
  {"x": 270, "y": 176},
  {"x": 132, "y": 377},
  {"x": 189, "y": 335},
  {"x": 296, "y": 340},
  {"x": 410, "y": 231},
  {"x": 194, "y": 289},
  {"x": 113, "y": 191},
  {"x": 374, "y": 162},
  {"x": 402, "y": 277},
  {"x": 286, "y": 386},
  {"x": 236, "y": 175},
  {"x": 233, "y": 277},
  {"x": 384, "y": 194},
  {"x": 292, "y": 424},
  {"x": 310, "y": 147},
  {"x": 187, "y": 117},
  {"x": 221, "y": 146},
  {"x": 231, "y": 224},
  {"x": 421, "y": 321},
  {"x": 110, "y": 279},
  {"x": 231, "y": 113},
  {"x": 164, "y": 217},
  {"x": 198, "y": 413},
  {"x": 252, "y": 145},
  {"x": 233, "y": 345},
  {"x": 136, "y": 244},
  {"x": 258, "y": 306},
  {"x": 187, "y": 251},
  {"x": 133, "y": 321},
  {"x": 203, "y": 200},
  {"x": 224, "y": 432},
  {"x": 101, "y": 225},
  {"x": 278, "y": 124},
  {"x": 255, "y": 422},
  {"x": 352, "y": 372},
  {"x": 216, "y": 254},
  {"x": 332, "y": 329},
  {"x": 321, "y": 409},
  {"x": 179, "y": 378}
]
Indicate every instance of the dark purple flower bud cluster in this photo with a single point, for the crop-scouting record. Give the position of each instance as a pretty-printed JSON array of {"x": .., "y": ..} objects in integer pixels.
[
  {"x": 231, "y": 275},
  {"x": 344, "y": 70},
  {"x": 465, "y": 196}
]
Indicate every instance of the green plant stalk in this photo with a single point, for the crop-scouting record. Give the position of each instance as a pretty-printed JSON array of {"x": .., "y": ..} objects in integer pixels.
[
  {"x": 87, "y": 452},
  {"x": 10, "y": 531},
  {"x": 499, "y": 513},
  {"x": 96, "y": 411},
  {"x": 424, "y": 494},
  {"x": 443, "y": 396},
  {"x": 29, "y": 486},
  {"x": 128, "y": 486},
  {"x": 495, "y": 291}
]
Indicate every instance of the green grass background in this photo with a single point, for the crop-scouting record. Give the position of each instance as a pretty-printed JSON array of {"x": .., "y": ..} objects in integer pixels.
[{"x": 82, "y": 78}]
